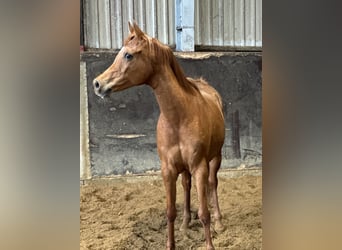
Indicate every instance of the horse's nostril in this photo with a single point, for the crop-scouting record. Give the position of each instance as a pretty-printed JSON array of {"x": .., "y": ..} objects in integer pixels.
[{"x": 96, "y": 84}]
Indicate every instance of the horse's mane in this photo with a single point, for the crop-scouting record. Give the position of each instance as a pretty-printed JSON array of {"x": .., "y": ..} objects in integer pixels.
[{"x": 163, "y": 54}]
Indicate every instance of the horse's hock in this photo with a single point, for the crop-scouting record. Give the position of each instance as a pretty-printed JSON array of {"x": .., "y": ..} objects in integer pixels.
[{"x": 122, "y": 128}]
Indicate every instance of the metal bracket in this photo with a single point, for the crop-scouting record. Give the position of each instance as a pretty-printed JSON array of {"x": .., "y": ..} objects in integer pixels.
[{"x": 180, "y": 28}]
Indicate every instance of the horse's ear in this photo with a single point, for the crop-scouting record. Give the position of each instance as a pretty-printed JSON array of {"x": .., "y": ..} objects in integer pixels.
[
  {"x": 137, "y": 30},
  {"x": 131, "y": 29}
]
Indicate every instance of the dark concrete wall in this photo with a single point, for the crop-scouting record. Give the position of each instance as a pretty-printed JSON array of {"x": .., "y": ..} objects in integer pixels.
[{"x": 134, "y": 112}]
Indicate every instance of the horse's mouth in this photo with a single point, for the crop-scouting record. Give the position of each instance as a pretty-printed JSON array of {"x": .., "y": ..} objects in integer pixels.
[
  {"x": 107, "y": 92},
  {"x": 103, "y": 94}
]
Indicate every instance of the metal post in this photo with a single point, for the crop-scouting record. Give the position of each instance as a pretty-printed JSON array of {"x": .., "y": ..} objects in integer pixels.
[
  {"x": 84, "y": 125},
  {"x": 235, "y": 128},
  {"x": 185, "y": 18},
  {"x": 81, "y": 26}
]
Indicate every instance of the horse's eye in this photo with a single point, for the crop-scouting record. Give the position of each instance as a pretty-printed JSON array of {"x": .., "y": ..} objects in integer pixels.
[{"x": 128, "y": 56}]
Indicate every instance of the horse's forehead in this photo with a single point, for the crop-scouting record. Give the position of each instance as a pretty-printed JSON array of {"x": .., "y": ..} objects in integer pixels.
[
  {"x": 123, "y": 49},
  {"x": 127, "y": 49},
  {"x": 137, "y": 43}
]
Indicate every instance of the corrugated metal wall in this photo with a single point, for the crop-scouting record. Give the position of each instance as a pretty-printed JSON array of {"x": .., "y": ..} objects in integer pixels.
[
  {"x": 235, "y": 23},
  {"x": 106, "y": 21}
]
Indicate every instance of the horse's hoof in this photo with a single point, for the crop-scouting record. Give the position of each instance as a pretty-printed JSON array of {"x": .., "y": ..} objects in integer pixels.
[
  {"x": 170, "y": 246},
  {"x": 219, "y": 228},
  {"x": 210, "y": 248},
  {"x": 184, "y": 227}
]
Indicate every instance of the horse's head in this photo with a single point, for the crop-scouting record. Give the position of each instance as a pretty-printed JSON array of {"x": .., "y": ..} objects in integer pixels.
[{"x": 132, "y": 66}]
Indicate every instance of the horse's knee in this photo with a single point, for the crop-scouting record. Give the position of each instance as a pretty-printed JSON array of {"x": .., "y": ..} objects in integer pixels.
[
  {"x": 212, "y": 180},
  {"x": 171, "y": 214},
  {"x": 204, "y": 216},
  {"x": 212, "y": 184}
]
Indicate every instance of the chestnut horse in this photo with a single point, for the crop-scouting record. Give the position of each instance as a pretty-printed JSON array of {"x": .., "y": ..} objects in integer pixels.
[{"x": 190, "y": 130}]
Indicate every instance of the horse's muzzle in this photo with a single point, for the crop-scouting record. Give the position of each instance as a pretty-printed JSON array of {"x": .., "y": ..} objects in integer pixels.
[{"x": 100, "y": 90}]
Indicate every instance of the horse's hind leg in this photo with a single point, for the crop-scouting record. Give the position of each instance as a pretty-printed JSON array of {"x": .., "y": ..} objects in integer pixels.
[
  {"x": 186, "y": 182},
  {"x": 214, "y": 166}
]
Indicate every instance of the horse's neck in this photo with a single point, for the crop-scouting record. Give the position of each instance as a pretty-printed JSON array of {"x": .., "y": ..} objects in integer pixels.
[{"x": 172, "y": 99}]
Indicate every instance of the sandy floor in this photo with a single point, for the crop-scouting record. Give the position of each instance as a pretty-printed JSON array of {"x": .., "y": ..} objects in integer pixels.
[{"x": 129, "y": 213}]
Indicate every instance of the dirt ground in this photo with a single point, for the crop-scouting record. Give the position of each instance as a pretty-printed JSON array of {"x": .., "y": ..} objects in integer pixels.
[{"x": 129, "y": 213}]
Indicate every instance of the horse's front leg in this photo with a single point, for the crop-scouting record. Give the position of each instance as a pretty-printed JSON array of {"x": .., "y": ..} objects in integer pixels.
[
  {"x": 170, "y": 178},
  {"x": 201, "y": 177},
  {"x": 186, "y": 182}
]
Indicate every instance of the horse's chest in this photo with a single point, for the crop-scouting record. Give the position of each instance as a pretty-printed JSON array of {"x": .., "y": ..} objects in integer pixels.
[
  {"x": 182, "y": 153},
  {"x": 183, "y": 145}
]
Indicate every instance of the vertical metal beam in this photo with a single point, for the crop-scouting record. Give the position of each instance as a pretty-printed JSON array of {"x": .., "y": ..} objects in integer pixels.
[
  {"x": 207, "y": 34},
  {"x": 162, "y": 21},
  {"x": 172, "y": 29},
  {"x": 140, "y": 13},
  {"x": 127, "y": 15},
  {"x": 250, "y": 23},
  {"x": 104, "y": 24},
  {"x": 151, "y": 19},
  {"x": 217, "y": 22},
  {"x": 235, "y": 128},
  {"x": 239, "y": 23},
  {"x": 258, "y": 25},
  {"x": 185, "y": 18},
  {"x": 228, "y": 22},
  {"x": 198, "y": 39},
  {"x": 81, "y": 24},
  {"x": 116, "y": 23},
  {"x": 84, "y": 125},
  {"x": 91, "y": 34}
]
